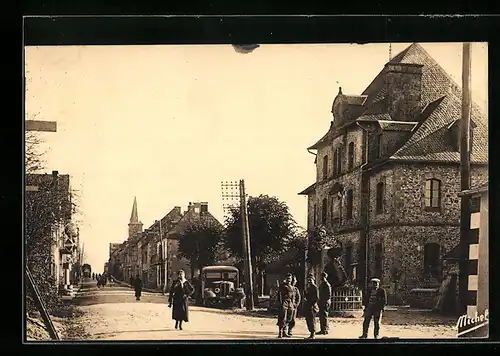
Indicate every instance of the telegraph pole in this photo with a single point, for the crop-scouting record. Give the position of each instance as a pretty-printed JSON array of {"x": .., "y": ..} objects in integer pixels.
[
  {"x": 245, "y": 230},
  {"x": 465, "y": 174}
]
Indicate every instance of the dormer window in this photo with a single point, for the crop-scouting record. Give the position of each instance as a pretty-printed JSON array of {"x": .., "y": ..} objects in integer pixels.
[
  {"x": 337, "y": 161},
  {"x": 325, "y": 167}
]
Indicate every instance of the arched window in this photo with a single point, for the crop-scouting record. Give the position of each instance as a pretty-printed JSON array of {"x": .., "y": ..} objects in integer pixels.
[
  {"x": 325, "y": 167},
  {"x": 324, "y": 211},
  {"x": 349, "y": 198},
  {"x": 432, "y": 194},
  {"x": 432, "y": 259},
  {"x": 350, "y": 156},
  {"x": 379, "y": 208}
]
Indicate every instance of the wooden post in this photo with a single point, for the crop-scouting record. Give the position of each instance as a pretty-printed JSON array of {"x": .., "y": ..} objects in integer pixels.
[
  {"x": 465, "y": 175},
  {"x": 246, "y": 246}
]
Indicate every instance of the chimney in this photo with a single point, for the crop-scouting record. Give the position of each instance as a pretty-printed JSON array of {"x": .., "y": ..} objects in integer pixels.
[
  {"x": 178, "y": 209},
  {"x": 204, "y": 207},
  {"x": 403, "y": 82},
  {"x": 190, "y": 207}
]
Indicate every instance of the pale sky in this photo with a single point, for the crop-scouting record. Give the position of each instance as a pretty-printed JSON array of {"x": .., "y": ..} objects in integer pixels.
[{"x": 168, "y": 123}]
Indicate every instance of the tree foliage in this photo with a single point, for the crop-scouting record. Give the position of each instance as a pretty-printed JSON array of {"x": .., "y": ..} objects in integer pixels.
[
  {"x": 271, "y": 230},
  {"x": 199, "y": 241}
]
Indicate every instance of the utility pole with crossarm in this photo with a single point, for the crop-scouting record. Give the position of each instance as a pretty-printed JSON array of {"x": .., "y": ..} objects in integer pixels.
[{"x": 236, "y": 190}]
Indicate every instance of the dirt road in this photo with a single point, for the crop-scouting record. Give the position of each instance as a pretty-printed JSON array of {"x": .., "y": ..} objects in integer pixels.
[{"x": 113, "y": 314}]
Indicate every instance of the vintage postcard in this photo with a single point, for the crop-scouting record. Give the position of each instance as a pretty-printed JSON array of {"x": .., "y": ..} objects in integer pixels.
[{"x": 256, "y": 192}]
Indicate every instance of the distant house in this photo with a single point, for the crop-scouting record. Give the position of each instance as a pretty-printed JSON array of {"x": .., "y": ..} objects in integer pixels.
[
  {"x": 152, "y": 255},
  {"x": 387, "y": 173}
]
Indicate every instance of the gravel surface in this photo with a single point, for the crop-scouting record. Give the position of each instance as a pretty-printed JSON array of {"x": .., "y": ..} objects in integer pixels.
[{"x": 114, "y": 314}]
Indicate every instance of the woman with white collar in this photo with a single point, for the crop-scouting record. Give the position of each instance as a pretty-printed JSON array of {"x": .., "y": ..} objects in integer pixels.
[{"x": 180, "y": 291}]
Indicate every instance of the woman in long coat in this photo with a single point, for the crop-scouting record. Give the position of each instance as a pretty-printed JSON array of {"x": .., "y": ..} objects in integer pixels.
[
  {"x": 138, "y": 287},
  {"x": 180, "y": 291}
]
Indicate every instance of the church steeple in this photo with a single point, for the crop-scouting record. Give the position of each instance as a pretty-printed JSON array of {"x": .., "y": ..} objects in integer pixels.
[
  {"x": 134, "y": 218},
  {"x": 134, "y": 226}
]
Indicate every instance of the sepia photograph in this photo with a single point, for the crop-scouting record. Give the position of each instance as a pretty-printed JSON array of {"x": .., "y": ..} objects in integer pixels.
[{"x": 256, "y": 192}]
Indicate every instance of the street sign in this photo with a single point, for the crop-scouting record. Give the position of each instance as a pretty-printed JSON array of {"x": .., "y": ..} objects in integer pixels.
[
  {"x": 36, "y": 125},
  {"x": 69, "y": 244}
]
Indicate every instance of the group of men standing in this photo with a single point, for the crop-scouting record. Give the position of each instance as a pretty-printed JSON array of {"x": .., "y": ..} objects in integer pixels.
[{"x": 317, "y": 301}]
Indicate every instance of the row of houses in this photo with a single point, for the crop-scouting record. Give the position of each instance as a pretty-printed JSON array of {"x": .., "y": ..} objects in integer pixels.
[
  {"x": 388, "y": 175},
  {"x": 53, "y": 192},
  {"x": 153, "y": 253}
]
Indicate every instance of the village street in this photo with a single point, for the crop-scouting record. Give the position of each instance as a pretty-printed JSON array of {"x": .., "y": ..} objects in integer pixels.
[{"x": 112, "y": 313}]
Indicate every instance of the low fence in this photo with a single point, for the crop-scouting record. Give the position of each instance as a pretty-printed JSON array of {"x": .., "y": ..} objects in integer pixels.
[{"x": 347, "y": 298}]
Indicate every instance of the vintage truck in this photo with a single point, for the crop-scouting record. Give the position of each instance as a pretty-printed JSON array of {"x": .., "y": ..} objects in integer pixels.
[{"x": 220, "y": 286}]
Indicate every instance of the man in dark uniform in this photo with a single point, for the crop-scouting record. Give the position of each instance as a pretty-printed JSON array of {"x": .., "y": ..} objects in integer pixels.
[
  {"x": 311, "y": 297},
  {"x": 324, "y": 303},
  {"x": 296, "y": 303},
  {"x": 285, "y": 304},
  {"x": 375, "y": 302}
]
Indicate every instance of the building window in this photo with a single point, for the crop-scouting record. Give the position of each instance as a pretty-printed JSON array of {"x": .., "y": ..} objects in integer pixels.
[
  {"x": 378, "y": 146},
  {"x": 324, "y": 210},
  {"x": 364, "y": 146},
  {"x": 325, "y": 167},
  {"x": 475, "y": 205},
  {"x": 337, "y": 161},
  {"x": 380, "y": 198},
  {"x": 350, "y": 154},
  {"x": 431, "y": 259},
  {"x": 349, "y": 204},
  {"x": 314, "y": 216},
  {"x": 378, "y": 260},
  {"x": 432, "y": 194},
  {"x": 334, "y": 163}
]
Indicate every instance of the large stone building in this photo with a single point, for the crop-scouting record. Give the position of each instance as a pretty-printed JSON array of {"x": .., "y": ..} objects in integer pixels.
[
  {"x": 388, "y": 173},
  {"x": 153, "y": 253}
]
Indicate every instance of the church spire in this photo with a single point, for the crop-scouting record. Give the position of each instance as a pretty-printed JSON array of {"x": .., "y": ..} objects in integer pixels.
[{"x": 134, "y": 218}]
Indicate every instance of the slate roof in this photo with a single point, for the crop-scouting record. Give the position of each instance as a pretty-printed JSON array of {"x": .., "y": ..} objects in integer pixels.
[
  {"x": 427, "y": 142},
  {"x": 441, "y": 104}
]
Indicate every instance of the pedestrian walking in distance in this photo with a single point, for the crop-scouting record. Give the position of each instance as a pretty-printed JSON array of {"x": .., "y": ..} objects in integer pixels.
[
  {"x": 311, "y": 297},
  {"x": 180, "y": 291},
  {"x": 374, "y": 305},
  {"x": 285, "y": 305},
  {"x": 296, "y": 303},
  {"x": 324, "y": 303},
  {"x": 137, "y": 287}
]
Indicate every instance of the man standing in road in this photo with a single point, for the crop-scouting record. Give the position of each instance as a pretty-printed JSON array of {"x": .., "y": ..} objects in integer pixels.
[
  {"x": 375, "y": 302},
  {"x": 296, "y": 303},
  {"x": 311, "y": 297},
  {"x": 285, "y": 304},
  {"x": 325, "y": 297}
]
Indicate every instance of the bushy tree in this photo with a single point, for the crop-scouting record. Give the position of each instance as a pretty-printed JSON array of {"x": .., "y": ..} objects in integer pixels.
[
  {"x": 199, "y": 242},
  {"x": 46, "y": 209},
  {"x": 271, "y": 229}
]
